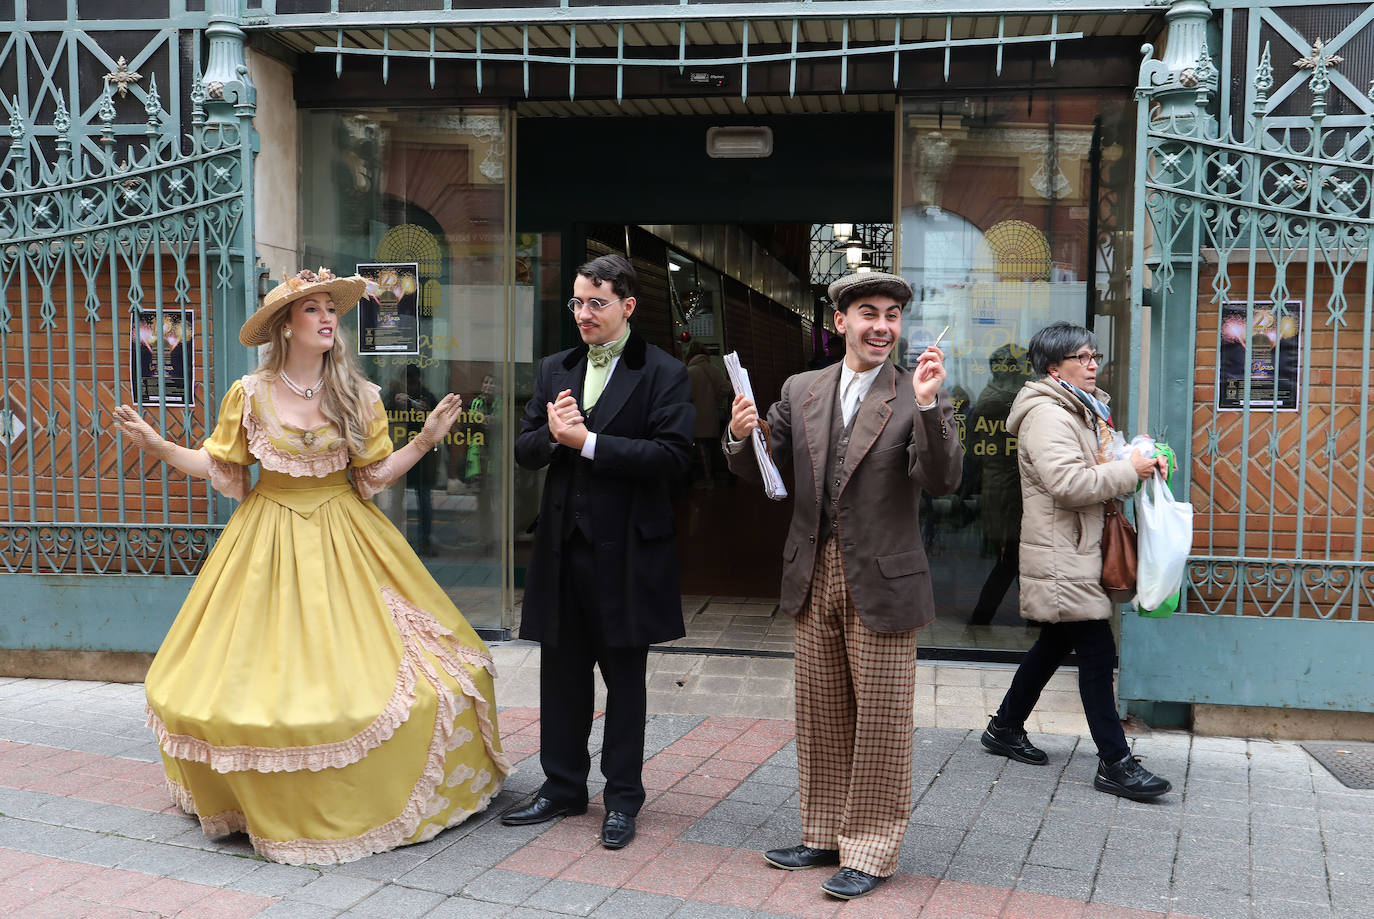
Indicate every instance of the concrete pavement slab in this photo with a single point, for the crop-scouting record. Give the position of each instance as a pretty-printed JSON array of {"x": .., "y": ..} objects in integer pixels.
[{"x": 1253, "y": 828}]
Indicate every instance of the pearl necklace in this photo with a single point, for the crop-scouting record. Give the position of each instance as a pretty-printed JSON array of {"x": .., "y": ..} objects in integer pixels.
[{"x": 307, "y": 393}]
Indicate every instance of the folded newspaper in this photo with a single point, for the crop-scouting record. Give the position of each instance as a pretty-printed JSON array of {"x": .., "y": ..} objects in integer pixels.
[{"x": 772, "y": 480}]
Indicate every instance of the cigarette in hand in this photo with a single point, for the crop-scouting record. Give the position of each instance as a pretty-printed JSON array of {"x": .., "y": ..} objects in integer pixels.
[{"x": 941, "y": 337}]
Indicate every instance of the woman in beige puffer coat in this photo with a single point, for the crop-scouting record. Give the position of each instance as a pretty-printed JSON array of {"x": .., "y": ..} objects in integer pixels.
[{"x": 1064, "y": 430}]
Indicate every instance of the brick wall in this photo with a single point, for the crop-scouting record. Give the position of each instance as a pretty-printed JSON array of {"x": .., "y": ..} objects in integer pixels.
[
  {"x": 74, "y": 367},
  {"x": 1281, "y": 492}
]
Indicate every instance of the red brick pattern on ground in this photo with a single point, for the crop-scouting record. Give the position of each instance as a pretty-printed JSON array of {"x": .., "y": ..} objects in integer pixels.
[
  {"x": 695, "y": 773},
  {"x": 85, "y": 776},
  {"x": 684, "y": 781},
  {"x": 37, "y": 887},
  {"x": 519, "y": 733}
]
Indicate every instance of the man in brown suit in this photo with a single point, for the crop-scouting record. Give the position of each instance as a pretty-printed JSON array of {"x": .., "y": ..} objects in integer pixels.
[{"x": 863, "y": 438}]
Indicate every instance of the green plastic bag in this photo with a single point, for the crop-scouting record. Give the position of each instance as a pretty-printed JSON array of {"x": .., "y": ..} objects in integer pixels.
[{"x": 1165, "y": 609}]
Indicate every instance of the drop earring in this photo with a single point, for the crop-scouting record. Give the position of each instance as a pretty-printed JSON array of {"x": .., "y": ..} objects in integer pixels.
[{"x": 286, "y": 334}]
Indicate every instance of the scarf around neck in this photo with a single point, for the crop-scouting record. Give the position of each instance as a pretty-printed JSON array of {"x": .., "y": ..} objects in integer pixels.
[{"x": 1101, "y": 414}]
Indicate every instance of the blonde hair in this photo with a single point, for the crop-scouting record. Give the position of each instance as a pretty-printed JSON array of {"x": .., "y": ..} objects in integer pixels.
[{"x": 344, "y": 401}]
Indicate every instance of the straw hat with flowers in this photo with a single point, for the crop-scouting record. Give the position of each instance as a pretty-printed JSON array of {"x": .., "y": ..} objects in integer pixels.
[{"x": 345, "y": 292}]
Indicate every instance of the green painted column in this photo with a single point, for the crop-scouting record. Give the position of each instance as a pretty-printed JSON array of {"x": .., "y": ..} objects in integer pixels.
[
  {"x": 1184, "y": 83},
  {"x": 230, "y": 101}
]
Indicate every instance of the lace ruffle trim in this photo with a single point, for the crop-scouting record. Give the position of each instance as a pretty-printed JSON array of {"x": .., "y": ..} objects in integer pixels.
[
  {"x": 260, "y": 432},
  {"x": 313, "y": 758},
  {"x": 372, "y": 478},
  {"x": 229, "y": 479},
  {"x": 420, "y": 633},
  {"x": 318, "y": 851}
]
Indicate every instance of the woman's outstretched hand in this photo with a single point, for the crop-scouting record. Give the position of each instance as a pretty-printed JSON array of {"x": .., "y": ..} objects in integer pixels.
[
  {"x": 142, "y": 434},
  {"x": 1145, "y": 466},
  {"x": 440, "y": 421}
]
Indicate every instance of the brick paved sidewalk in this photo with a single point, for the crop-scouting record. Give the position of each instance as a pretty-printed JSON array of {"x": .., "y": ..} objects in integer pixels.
[{"x": 1255, "y": 830}]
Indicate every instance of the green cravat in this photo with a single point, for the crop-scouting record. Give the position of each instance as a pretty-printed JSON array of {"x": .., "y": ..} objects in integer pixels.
[{"x": 599, "y": 358}]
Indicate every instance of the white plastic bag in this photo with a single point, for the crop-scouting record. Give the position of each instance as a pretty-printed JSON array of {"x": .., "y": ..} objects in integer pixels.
[{"x": 1165, "y": 529}]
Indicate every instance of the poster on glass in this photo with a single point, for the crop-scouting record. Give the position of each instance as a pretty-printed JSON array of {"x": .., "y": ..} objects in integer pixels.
[
  {"x": 162, "y": 365},
  {"x": 1266, "y": 339},
  {"x": 388, "y": 314}
]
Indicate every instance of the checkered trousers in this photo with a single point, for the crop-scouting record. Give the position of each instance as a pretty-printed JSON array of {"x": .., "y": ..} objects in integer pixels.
[{"x": 855, "y": 689}]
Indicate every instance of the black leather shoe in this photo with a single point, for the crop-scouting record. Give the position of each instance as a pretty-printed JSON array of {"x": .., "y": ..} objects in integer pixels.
[
  {"x": 798, "y": 857},
  {"x": 541, "y": 810},
  {"x": 1127, "y": 778},
  {"x": 617, "y": 830},
  {"x": 848, "y": 883},
  {"x": 1014, "y": 744}
]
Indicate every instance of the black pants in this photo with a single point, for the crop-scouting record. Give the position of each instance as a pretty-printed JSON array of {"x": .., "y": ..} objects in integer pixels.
[
  {"x": 998, "y": 582},
  {"x": 1096, "y": 660},
  {"x": 567, "y": 696}
]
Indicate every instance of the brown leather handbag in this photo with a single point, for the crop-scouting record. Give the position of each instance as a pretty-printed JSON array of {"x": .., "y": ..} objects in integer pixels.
[{"x": 1118, "y": 555}]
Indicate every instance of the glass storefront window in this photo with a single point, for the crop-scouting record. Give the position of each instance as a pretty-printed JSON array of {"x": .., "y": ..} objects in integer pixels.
[
  {"x": 421, "y": 198},
  {"x": 1012, "y": 217}
]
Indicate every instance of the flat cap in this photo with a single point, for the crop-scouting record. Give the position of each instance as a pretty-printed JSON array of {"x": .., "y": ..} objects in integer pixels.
[{"x": 860, "y": 282}]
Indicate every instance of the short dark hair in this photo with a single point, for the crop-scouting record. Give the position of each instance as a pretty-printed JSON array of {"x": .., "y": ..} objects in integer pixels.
[
  {"x": 894, "y": 289},
  {"x": 1050, "y": 345},
  {"x": 615, "y": 270}
]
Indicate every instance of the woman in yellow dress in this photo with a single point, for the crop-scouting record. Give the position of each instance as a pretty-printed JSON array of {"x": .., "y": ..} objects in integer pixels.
[{"x": 318, "y": 689}]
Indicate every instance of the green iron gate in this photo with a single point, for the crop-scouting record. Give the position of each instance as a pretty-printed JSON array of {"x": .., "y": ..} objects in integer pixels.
[
  {"x": 1255, "y": 180},
  {"x": 125, "y": 225}
]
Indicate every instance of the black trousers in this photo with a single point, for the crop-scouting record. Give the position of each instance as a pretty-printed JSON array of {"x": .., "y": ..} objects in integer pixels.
[
  {"x": 1096, "y": 650},
  {"x": 998, "y": 582},
  {"x": 567, "y": 696}
]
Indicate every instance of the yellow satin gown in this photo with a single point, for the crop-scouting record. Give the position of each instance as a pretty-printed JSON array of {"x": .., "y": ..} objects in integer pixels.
[{"x": 318, "y": 689}]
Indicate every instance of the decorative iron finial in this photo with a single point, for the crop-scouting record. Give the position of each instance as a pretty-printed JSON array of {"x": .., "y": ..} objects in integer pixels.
[
  {"x": 197, "y": 100},
  {"x": 123, "y": 76},
  {"x": 16, "y": 125},
  {"x": 1264, "y": 75},
  {"x": 62, "y": 119},
  {"x": 1206, "y": 70},
  {"x": 106, "y": 114},
  {"x": 153, "y": 103},
  {"x": 1320, "y": 64}
]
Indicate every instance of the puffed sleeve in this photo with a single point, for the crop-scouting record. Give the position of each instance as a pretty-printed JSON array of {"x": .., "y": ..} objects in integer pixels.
[
  {"x": 370, "y": 468},
  {"x": 227, "y": 447}
]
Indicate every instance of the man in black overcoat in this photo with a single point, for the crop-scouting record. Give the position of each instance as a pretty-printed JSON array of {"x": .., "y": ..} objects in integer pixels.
[{"x": 612, "y": 420}]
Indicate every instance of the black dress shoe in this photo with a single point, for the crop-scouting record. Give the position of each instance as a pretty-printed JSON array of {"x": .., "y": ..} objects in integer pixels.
[
  {"x": 617, "y": 830},
  {"x": 848, "y": 883},
  {"x": 541, "y": 810},
  {"x": 798, "y": 857},
  {"x": 1012, "y": 743},
  {"x": 1128, "y": 779}
]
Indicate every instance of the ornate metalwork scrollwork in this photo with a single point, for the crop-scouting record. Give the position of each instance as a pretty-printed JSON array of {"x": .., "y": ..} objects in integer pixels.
[
  {"x": 104, "y": 549},
  {"x": 1242, "y": 204}
]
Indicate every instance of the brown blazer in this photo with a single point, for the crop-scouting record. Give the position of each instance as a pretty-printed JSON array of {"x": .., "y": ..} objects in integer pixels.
[{"x": 894, "y": 452}]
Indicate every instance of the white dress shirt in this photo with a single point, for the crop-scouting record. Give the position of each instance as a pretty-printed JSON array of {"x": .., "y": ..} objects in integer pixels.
[{"x": 854, "y": 385}]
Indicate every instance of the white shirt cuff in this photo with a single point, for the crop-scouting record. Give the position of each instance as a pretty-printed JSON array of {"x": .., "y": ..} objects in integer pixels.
[
  {"x": 589, "y": 446},
  {"x": 733, "y": 446},
  {"x": 926, "y": 408}
]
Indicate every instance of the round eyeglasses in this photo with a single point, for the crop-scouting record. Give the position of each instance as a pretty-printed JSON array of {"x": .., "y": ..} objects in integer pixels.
[
  {"x": 1087, "y": 357},
  {"x": 593, "y": 304}
]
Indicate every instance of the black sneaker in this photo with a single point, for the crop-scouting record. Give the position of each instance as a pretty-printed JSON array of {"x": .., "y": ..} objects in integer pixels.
[
  {"x": 1012, "y": 743},
  {"x": 1127, "y": 778}
]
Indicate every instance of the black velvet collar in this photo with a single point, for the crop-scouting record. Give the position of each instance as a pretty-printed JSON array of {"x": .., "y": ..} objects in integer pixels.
[{"x": 633, "y": 355}]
